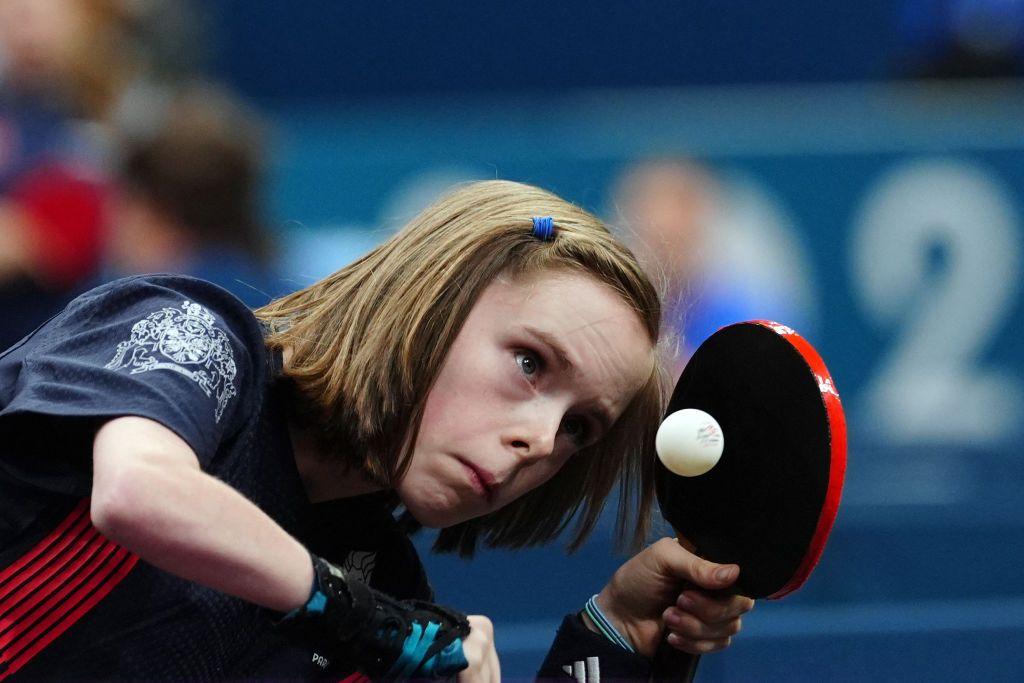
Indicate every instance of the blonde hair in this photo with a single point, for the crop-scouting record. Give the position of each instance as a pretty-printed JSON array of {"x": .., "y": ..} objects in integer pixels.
[{"x": 368, "y": 341}]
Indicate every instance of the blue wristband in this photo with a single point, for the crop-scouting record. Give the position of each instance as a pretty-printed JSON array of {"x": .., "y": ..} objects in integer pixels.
[{"x": 605, "y": 626}]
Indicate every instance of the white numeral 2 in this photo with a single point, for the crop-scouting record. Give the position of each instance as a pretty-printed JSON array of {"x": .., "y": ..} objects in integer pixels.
[{"x": 933, "y": 386}]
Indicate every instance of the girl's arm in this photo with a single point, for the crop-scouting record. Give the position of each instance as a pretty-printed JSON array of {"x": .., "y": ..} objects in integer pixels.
[{"x": 150, "y": 496}]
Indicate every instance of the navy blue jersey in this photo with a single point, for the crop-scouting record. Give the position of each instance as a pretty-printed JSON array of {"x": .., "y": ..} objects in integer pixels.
[{"x": 190, "y": 356}]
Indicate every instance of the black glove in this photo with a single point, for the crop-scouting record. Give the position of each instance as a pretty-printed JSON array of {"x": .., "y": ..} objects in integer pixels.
[{"x": 386, "y": 639}]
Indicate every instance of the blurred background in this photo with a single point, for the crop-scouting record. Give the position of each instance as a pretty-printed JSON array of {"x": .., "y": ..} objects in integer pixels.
[{"x": 855, "y": 170}]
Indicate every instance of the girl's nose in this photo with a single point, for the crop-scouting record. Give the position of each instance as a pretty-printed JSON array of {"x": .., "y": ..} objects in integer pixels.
[{"x": 535, "y": 438}]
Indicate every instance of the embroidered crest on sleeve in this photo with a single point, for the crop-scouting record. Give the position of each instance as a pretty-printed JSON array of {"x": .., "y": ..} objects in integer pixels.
[{"x": 185, "y": 341}]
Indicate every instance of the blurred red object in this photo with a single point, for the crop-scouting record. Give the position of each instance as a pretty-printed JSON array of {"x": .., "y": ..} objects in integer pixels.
[{"x": 65, "y": 214}]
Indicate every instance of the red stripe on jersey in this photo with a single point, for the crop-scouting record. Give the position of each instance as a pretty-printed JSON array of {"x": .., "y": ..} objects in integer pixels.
[
  {"x": 55, "y": 584},
  {"x": 44, "y": 586},
  {"x": 76, "y": 517},
  {"x": 69, "y": 611},
  {"x": 355, "y": 678}
]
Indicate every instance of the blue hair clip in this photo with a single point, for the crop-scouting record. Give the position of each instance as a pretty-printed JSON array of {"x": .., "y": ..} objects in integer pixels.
[{"x": 544, "y": 228}]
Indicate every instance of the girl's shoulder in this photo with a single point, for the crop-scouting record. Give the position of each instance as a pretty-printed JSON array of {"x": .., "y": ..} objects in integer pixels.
[{"x": 114, "y": 297}]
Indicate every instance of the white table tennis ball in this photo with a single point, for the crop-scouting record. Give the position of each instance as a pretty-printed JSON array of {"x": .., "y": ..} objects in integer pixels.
[{"x": 689, "y": 442}]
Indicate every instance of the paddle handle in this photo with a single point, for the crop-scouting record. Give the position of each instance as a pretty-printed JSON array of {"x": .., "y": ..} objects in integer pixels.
[{"x": 671, "y": 665}]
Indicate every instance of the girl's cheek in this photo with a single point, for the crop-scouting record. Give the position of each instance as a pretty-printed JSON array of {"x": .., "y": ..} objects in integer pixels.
[{"x": 547, "y": 470}]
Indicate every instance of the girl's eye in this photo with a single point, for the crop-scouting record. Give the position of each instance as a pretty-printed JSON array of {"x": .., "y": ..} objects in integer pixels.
[
  {"x": 528, "y": 362},
  {"x": 576, "y": 428}
]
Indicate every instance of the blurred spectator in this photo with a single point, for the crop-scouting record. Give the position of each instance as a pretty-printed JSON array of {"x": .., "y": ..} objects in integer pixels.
[
  {"x": 72, "y": 73},
  {"x": 717, "y": 263},
  {"x": 67, "y": 55},
  {"x": 188, "y": 198},
  {"x": 963, "y": 38},
  {"x": 60, "y": 60}
]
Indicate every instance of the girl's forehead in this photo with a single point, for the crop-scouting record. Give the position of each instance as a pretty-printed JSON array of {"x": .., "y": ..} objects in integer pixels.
[
  {"x": 556, "y": 292},
  {"x": 596, "y": 337}
]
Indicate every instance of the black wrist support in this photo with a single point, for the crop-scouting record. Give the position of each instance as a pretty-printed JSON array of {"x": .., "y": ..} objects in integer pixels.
[{"x": 386, "y": 639}]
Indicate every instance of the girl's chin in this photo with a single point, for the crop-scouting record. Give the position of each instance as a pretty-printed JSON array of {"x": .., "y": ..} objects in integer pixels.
[{"x": 439, "y": 508}]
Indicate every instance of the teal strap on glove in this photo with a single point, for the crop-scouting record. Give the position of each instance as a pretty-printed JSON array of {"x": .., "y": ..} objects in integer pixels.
[{"x": 448, "y": 662}]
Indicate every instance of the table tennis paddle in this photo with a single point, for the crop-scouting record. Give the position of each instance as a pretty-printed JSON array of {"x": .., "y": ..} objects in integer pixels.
[{"x": 769, "y": 503}]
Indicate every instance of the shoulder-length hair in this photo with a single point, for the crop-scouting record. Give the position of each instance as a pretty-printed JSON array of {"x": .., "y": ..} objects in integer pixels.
[{"x": 368, "y": 342}]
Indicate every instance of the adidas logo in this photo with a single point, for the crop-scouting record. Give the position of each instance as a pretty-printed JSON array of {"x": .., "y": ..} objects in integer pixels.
[{"x": 585, "y": 671}]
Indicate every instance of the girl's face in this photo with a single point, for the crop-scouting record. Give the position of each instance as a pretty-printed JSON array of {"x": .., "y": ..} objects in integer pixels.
[{"x": 543, "y": 366}]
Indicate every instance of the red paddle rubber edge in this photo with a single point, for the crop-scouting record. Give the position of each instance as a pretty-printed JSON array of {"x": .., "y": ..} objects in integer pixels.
[{"x": 837, "y": 471}]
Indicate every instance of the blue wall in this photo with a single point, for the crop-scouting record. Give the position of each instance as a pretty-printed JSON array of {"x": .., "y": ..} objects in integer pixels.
[{"x": 336, "y": 50}]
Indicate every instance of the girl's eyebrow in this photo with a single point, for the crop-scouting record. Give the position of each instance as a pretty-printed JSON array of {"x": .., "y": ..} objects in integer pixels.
[
  {"x": 602, "y": 415},
  {"x": 556, "y": 348}
]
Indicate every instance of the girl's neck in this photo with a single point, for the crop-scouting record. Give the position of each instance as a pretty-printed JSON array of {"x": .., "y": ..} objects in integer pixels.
[{"x": 323, "y": 478}]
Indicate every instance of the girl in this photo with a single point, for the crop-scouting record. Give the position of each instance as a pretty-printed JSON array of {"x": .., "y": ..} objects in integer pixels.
[{"x": 492, "y": 368}]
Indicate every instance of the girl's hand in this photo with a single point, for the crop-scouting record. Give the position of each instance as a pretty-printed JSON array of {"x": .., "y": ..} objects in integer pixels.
[
  {"x": 667, "y": 586},
  {"x": 480, "y": 653}
]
